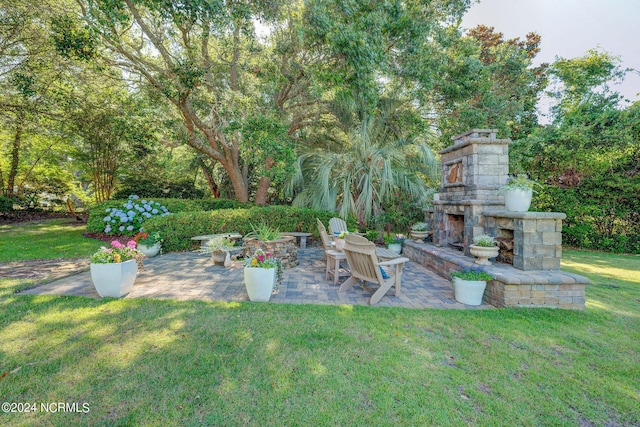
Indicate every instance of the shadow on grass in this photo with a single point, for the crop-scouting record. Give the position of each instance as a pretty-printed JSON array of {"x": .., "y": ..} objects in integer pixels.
[{"x": 154, "y": 362}]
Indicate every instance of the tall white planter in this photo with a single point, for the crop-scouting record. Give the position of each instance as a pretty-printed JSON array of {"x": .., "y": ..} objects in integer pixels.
[
  {"x": 469, "y": 291},
  {"x": 115, "y": 279},
  {"x": 518, "y": 200},
  {"x": 259, "y": 283}
]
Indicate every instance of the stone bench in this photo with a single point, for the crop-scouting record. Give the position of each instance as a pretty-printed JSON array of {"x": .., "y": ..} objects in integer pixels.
[
  {"x": 205, "y": 238},
  {"x": 302, "y": 236}
]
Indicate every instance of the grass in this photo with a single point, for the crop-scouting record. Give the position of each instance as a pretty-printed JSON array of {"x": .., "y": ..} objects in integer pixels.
[
  {"x": 158, "y": 362},
  {"x": 47, "y": 239}
]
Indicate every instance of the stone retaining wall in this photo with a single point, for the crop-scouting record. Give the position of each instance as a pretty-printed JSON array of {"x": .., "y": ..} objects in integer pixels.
[
  {"x": 511, "y": 287},
  {"x": 284, "y": 249}
]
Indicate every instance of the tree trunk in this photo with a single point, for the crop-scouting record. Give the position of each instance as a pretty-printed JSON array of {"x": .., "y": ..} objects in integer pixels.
[
  {"x": 2, "y": 189},
  {"x": 235, "y": 175},
  {"x": 264, "y": 184},
  {"x": 15, "y": 157},
  {"x": 213, "y": 186}
]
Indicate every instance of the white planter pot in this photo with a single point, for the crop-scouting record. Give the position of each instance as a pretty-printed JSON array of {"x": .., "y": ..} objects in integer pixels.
[
  {"x": 469, "y": 291},
  {"x": 218, "y": 257},
  {"x": 149, "y": 251},
  {"x": 483, "y": 253},
  {"x": 518, "y": 200},
  {"x": 339, "y": 244},
  {"x": 115, "y": 279},
  {"x": 395, "y": 247},
  {"x": 259, "y": 283}
]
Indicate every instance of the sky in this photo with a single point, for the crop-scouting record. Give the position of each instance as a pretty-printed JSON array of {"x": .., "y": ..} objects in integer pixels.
[{"x": 569, "y": 28}]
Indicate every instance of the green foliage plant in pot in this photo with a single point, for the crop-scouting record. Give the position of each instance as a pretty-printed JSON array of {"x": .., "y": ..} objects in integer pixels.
[
  {"x": 483, "y": 248},
  {"x": 420, "y": 230},
  {"x": 262, "y": 272},
  {"x": 150, "y": 244},
  {"x": 264, "y": 232},
  {"x": 518, "y": 192},
  {"x": 469, "y": 285},
  {"x": 219, "y": 247},
  {"x": 394, "y": 242},
  {"x": 114, "y": 269}
]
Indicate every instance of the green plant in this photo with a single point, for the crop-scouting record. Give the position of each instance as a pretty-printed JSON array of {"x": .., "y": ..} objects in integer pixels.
[
  {"x": 473, "y": 273},
  {"x": 156, "y": 188},
  {"x": 372, "y": 235},
  {"x": 130, "y": 220},
  {"x": 6, "y": 204},
  {"x": 420, "y": 226},
  {"x": 218, "y": 244},
  {"x": 264, "y": 232},
  {"x": 179, "y": 228},
  {"x": 395, "y": 238},
  {"x": 343, "y": 234},
  {"x": 148, "y": 239},
  {"x": 484, "y": 240},
  {"x": 117, "y": 253},
  {"x": 519, "y": 182},
  {"x": 261, "y": 259}
]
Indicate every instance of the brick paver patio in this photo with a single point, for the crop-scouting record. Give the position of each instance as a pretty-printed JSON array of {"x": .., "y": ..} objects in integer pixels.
[{"x": 189, "y": 276}]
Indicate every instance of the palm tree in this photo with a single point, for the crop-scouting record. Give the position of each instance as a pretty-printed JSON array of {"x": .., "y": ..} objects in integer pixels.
[{"x": 378, "y": 159}]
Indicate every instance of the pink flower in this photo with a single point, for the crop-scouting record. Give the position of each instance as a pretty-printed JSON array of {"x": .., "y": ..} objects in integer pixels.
[
  {"x": 117, "y": 244},
  {"x": 260, "y": 257},
  {"x": 131, "y": 244}
]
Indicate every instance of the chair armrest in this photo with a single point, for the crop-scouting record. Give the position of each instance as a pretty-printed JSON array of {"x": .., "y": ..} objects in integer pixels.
[{"x": 395, "y": 261}]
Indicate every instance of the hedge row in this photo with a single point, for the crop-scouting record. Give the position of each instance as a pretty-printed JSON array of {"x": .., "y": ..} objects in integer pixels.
[
  {"x": 602, "y": 214},
  {"x": 96, "y": 223},
  {"x": 178, "y": 229}
]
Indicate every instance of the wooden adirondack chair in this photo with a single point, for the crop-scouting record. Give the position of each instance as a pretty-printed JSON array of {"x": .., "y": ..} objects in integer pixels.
[
  {"x": 326, "y": 242},
  {"x": 337, "y": 225},
  {"x": 364, "y": 265}
]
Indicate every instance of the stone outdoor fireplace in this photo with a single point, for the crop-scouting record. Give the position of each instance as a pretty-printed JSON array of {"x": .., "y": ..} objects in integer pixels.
[
  {"x": 527, "y": 271},
  {"x": 473, "y": 170}
]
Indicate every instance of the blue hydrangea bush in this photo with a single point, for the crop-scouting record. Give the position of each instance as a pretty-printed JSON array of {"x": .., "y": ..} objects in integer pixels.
[{"x": 135, "y": 212}]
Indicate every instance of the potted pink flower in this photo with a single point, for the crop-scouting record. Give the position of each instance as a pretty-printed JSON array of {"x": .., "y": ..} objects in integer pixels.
[{"x": 114, "y": 269}]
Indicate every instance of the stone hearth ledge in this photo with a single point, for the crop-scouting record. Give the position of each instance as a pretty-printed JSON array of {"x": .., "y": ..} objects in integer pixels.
[{"x": 511, "y": 287}]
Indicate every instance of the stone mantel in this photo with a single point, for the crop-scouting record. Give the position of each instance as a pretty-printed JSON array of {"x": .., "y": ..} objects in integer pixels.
[{"x": 525, "y": 215}]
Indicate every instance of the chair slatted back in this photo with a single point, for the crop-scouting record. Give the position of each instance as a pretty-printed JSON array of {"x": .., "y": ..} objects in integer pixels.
[
  {"x": 337, "y": 225},
  {"x": 326, "y": 243},
  {"x": 362, "y": 259}
]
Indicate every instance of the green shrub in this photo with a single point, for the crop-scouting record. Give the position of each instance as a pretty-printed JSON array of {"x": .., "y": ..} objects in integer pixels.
[
  {"x": 95, "y": 224},
  {"x": 400, "y": 213},
  {"x": 179, "y": 228},
  {"x": 602, "y": 213},
  {"x": 6, "y": 204},
  {"x": 215, "y": 204}
]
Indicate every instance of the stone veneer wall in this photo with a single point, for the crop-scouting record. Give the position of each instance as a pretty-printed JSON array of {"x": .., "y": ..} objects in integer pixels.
[
  {"x": 284, "y": 249},
  {"x": 537, "y": 237},
  {"x": 511, "y": 287},
  {"x": 473, "y": 169}
]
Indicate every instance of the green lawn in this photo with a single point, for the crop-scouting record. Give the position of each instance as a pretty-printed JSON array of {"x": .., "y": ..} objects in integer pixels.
[
  {"x": 47, "y": 239},
  {"x": 151, "y": 362}
]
